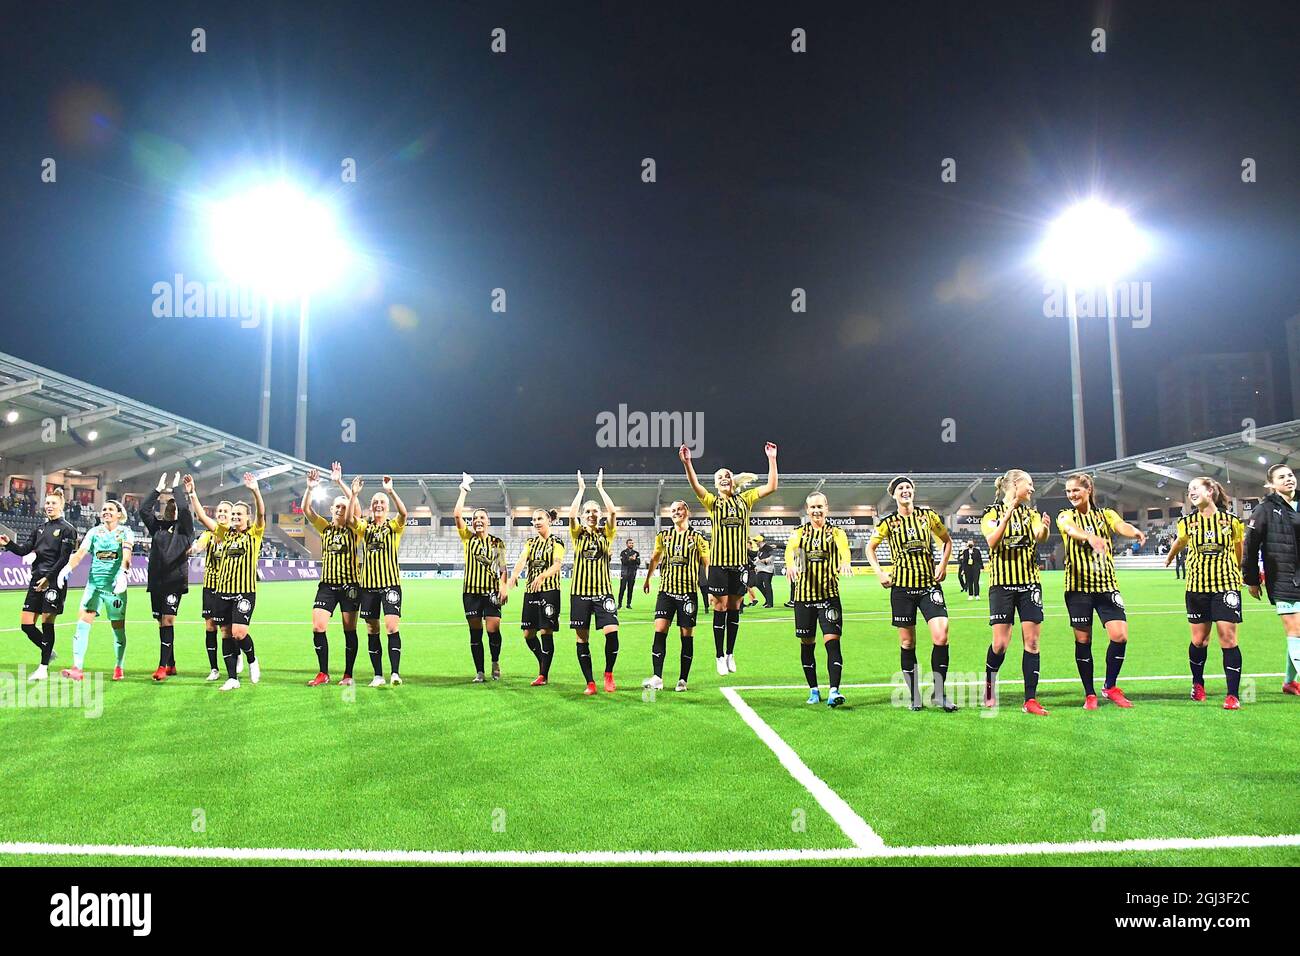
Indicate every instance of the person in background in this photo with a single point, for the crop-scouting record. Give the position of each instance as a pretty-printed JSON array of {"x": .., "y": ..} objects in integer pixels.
[
  {"x": 764, "y": 564},
  {"x": 629, "y": 560}
]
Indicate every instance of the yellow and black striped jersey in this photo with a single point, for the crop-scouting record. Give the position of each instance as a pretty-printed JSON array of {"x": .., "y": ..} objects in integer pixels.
[
  {"x": 1015, "y": 560},
  {"x": 1085, "y": 569},
  {"x": 911, "y": 545},
  {"x": 338, "y": 551},
  {"x": 729, "y": 516},
  {"x": 540, "y": 555},
  {"x": 380, "y": 543},
  {"x": 485, "y": 558},
  {"x": 211, "y": 559},
  {"x": 1212, "y": 542},
  {"x": 817, "y": 553},
  {"x": 680, "y": 555},
  {"x": 591, "y": 552},
  {"x": 239, "y": 551}
]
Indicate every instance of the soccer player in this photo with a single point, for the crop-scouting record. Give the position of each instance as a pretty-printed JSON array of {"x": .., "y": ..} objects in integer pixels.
[
  {"x": 485, "y": 582},
  {"x": 169, "y": 566},
  {"x": 816, "y": 554},
  {"x": 1013, "y": 531},
  {"x": 338, "y": 587},
  {"x": 381, "y": 580},
  {"x": 1090, "y": 585},
  {"x": 210, "y": 546},
  {"x": 764, "y": 564},
  {"x": 682, "y": 552},
  {"x": 110, "y": 544},
  {"x": 543, "y": 559},
  {"x": 915, "y": 583},
  {"x": 629, "y": 560},
  {"x": 729, "y": 511},
  {"x": 54, "y": 543},
  {"x": 1271, "y": 532},
  {"x": 590, "y": 593},
  {"x": 236, "y": 594},
  {"x": 1215, "y": 542}
]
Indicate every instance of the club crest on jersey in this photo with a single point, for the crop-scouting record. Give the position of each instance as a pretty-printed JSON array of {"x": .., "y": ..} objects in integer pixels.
[
  {"x": 936, "y": 596},
  {"x": 548, "y": 610},
  {"x": 172, "y": 600},
  {"x": 832, "y": 614},
  {"x": 609, "y": 604},
  {"x": 1232, "y": 599},
  {"x": 244, "y": 605},
  {"x": 1118, "y": 599},
  {"x": 689, "y": 607},
  {"x": 52, "y": 595},
  {"x": 1036, "y": 596},
  {"x": 352, "y": 593},
  {"x": 55, "y": 532},
  {"x": 391, "y": 596}
]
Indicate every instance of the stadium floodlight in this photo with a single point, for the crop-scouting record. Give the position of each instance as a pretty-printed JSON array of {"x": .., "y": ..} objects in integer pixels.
[
  {"x": 151, "y": 450},
  {"x": 92, "y": 435},
  {"x": 11, "y": 416},
  {"x": 1089, "y": 245},
  {"x": 281, "y": 242}
]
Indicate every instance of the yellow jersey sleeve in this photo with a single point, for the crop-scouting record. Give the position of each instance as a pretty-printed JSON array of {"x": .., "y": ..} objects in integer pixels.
[
  {"x": 203, "y": 540},
  {"x": 611, "y": 531},
  {"x": 1036, "y": 522},
  {"x": 842, "y": 542},
  {"x": 878, "y": 533},
  {"x": 659, "y": 546},
  {"x": 558, "y": 553},
  {"x": 702, "y": 546},
  {"x": 792, "y": 546},
  {"x": 317, "y": 522},
  {"x": 937, "y": 526},
  {"x": 1063, "y": 521},
  {"x": 989, "y": 522},
  {"x": 463, "y": 530},
  {"x": 707, "y": 500},
  {"x": 1238, "y": 530},
  {"x": 1113, "y": 520},
  {"x": 1182, "y": 529},
  {"x": 750, "y": 496}
]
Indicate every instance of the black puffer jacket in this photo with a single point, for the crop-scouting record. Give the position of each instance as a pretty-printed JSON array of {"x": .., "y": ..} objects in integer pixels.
[{"x": 1272, "y": 530}]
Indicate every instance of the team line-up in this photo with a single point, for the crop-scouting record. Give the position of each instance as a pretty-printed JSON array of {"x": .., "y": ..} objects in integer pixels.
[{"x": 1222, "y": 554}]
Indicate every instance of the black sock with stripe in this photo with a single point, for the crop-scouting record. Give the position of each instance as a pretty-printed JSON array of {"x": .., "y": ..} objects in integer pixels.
[
  {"x": 939, "y": 671},
  {"x": 992, "y": 664},
  {"x": 210, "y": 644},
  {"x": 322, "y": 645},
  {"x": 611, "y": 651},
  {"x": 494, "y": 645},
  {"x": 1232, "y": 670},
  {"x": 834, "y": 663},
  {"x": 1196, "y": 657},
  {"x": 1029, "y": 664},
  {"x": 351, "y": 645},
  {"x": 535, "y": 646},
  {"x": 376, "y": 651},
  {"x": 584, "y": 661},
  {"x": 907, "y": 659},
  {"x": 47, "y": 631},
  {"x": 475, "y": 648},
  {"x": 733, "y": 629},
  {"x": 719, "y": 631},
  {"x": 1114, "y": 661},
  {"x": 658, "y": 651},
  {"x": 688, "y": 652},
  {"x": 395, "y": 651},
  {"x": 548, "y": 654},
  {"x": 808, "y": 652},
  {"x": 1083, "y": 661}
]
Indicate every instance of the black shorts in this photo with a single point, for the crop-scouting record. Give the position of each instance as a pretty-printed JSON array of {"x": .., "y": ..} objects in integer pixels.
[
  {"x": 210, "y": 601},
  {"x": 809, "y": 614},
  {"x": 45, "y": 600},
  {"x": 165, "y": 602},
  {"x": 905, "y": 602},
  {"x": 725, "y": 581},
  {"x": 583, "y": 609},
  {"x": 482, "y": 605},
  {"x": 1108, "y": 605},
  {"x": 345, "y": 597},
  {"x": 1204, "y": 606},
  {"x": 381, "y": 602},
  {"x": 234, "y": 608},
  {"x": 1007, "y": 601},
  {"x": 541, "y": 611},
  {"x": 683, "y": 607}
]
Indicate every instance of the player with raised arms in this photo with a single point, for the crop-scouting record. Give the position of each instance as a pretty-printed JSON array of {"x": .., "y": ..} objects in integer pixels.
[
  {"x": 1013, "y": 531},
  {"x": 1214, "y": 539},
  {"x": 543, "y": 560},
  {"x": 816, "y": 555},
  {"x": 915, "y": 582},
  {"x": 485, "y": 582},
  {"x": 210, "y": 546},
  {"x": 1090, "y": 585},
  {"x": 381, "y": 579},
  {"x": 590, "y": 593},
  {"x": 169, "y": 565},
  {"x": 729, "y": 511},
  {"x": 109, "y": 543},
  {"x": 338, "y": 587},
  {"x": 53, "y": 544},
  {"x": 236, "y": 594},
  {"x": 1271, "y": 532},
  {"x": 681, "y": 553}
]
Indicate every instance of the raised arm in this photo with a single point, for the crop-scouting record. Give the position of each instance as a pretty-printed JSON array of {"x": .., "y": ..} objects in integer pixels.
[
  {"x": 684, "y": 454},
  {"x": 458, "y": 512},
  {"x": 609, "y": 505},
  {"x": 313, "y": 480},
  {"x": 574, "y": 509},
  {"x": 393, "y": 497},
  {"x": 250, "y": 482},
  {"x": 770, "y": 450},
  {"x": 147, "y": 516},
  {"x": 354, "y": 511},
  {"x": 188, "y": 483}
]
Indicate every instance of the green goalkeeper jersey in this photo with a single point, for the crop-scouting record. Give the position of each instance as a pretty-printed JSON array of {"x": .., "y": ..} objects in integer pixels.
[{"x": 108, "y": 550}]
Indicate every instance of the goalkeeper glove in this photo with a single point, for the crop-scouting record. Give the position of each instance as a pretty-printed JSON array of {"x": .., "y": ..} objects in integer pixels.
[{"x": 119, "y": 583}]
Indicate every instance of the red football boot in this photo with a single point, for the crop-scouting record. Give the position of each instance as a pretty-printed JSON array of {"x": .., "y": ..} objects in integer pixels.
[
  {"x": 1034, "y": 707},
  {"x": 591, "y": 689},
  {"x": 609, "y": 683},
  {"x": 1231, "y": 703},
  {"x": 1090, "y": 702},
  {"x": 321, "y": 678},
  {"x": 1116, "y": 697},
  {"x": 1198, "y": 692},
  {"x": 117, "y": 673},
  {"x": 538, "y": 681},
  {"x": 73, "y": 673},
  {"x": 160, "y": 674},
  {"x": 171, "y": 670},
  {"x": 1292, "y": 688}
]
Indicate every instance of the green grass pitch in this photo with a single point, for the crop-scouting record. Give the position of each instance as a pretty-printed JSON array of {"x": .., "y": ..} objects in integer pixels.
[{"x": 440, "y": 764}]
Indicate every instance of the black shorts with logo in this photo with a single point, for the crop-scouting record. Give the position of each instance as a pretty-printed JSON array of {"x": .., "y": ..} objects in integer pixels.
[
  {"x": 725, "y": 581},
  {"x": 381, "y": 602},
  {"x": 45, "y": 600},
  {"x": 1008, "y": 601},
  {"x": 583, "y": 609},
  {"x": 345, "y": 597},
  {"x": 234, "y": 608},
  {"x": 541, "y": 611},
  {"x": 1108, "y": 605},
  {"x": 809, "y": 614},
  {"x": 905, "y": 602},
  {"x": 165, "y": 602},
  {"x": 683, "y": 607},
  {"x": 210, "y": 601},
  {"x": 1204, "y": 606},
  {"x": 482, "y": 605}
]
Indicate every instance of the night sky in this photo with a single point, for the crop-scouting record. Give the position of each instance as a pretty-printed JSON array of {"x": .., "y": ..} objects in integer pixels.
[{"x": 775, "y": 170}]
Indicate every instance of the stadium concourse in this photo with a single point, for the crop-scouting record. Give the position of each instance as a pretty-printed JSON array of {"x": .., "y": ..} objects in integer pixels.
[{"x": 57, "y": 431}]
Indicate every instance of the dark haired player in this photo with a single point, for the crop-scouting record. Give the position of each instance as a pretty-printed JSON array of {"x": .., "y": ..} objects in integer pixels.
[
  {"x": 54, "y": 543},
  {"x": 683, "y": 553},
  {"x": 169, "y": 566}
]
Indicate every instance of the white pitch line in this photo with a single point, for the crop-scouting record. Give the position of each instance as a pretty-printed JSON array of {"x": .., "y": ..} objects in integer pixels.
[
  {"x": 1139, "y": 845},
  {"x": 980, "y": 683},
  {"x": 854, "y": 827}
]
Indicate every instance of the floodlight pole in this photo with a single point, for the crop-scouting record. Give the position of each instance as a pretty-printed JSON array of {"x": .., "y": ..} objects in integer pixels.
[
  {"x": 1116, "y": 387},
  {"x": 264, "y": 418},
  {"x": 300, "y": 424},
  {"x": 1076, "y": 379}
]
